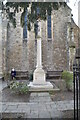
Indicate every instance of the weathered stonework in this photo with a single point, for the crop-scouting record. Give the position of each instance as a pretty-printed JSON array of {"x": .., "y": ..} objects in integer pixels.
[
  {"x": 21, "y": 54},
  {"x": 74, "y": 43},
  {"x": 0, "y": 45}
]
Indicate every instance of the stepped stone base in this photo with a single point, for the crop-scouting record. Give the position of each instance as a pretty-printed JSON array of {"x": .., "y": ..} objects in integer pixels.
[{"x": 40, "y": 87}]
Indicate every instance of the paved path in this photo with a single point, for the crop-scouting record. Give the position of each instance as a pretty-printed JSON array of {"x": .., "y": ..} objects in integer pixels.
[
  {"x": 39, "y": 106},
  {"x": 3, "y": 84}
]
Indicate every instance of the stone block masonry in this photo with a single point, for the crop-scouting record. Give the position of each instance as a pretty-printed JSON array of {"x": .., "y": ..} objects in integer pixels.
[{"x": 21, "y": 54}]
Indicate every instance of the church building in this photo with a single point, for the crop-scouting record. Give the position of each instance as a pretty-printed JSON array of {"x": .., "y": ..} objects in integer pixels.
[{"x": 19, "y": 46}]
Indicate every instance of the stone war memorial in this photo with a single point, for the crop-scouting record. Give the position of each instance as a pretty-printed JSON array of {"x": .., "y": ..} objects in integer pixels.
[
  {"x": 39, "y": 75},
  {"x": 38, "y": 42}
]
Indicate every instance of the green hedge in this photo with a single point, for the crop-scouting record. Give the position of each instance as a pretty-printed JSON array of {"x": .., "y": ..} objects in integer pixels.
[{"x": 68, "y": 77}]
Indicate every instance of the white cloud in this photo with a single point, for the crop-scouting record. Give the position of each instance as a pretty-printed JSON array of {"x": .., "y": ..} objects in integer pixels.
[
  {"x": 73, "y": 4},
  {"x": 4, "y": 1}
]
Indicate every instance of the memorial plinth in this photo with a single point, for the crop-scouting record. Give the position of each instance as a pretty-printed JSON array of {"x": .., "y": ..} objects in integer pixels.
[{"x": 39, "y": 76}]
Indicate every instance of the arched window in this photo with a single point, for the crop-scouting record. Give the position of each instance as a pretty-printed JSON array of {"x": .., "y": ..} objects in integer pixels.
[
  {"x": 72, "y": 36},
  {"x": 49, "y": 26},
  {"x": 25, "y": 27}
]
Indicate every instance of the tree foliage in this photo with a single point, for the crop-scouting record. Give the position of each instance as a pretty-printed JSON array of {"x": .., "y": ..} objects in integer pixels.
[{"x": 38, "y": 9}]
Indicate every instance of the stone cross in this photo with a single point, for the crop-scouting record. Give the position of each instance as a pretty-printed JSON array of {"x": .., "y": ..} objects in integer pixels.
[
  {"x": 39, "y": 75},
  {"x": 39, "y": 48}
]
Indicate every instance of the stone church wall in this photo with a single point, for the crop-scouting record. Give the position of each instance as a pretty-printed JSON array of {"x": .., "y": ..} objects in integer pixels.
[
  {"x": 58, "y": 46},
  {"x": 21, "y": 54},
  {"x": 14, "y": 46}
]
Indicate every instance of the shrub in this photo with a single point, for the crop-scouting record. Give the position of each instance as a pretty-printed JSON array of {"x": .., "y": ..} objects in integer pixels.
[
  {"x": 19, "y": 87},
  {"x": 68, "y": 77}
]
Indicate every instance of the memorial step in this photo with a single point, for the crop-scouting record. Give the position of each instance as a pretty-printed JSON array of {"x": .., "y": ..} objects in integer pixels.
[
  {"x": 43, "y": 88},
  {"x": 40, "y": 97}
]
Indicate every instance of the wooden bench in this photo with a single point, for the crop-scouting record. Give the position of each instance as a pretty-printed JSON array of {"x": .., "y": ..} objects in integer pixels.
[
  {"x": 22, "y": 75},
  {"x": 54, "y": 74}
]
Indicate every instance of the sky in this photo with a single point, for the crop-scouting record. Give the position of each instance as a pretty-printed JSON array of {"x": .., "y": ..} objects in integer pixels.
[{"x": 73, "y": 4}]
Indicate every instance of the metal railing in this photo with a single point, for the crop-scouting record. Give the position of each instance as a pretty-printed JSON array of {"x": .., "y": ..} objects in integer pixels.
[{"x": 76, "y": 80}]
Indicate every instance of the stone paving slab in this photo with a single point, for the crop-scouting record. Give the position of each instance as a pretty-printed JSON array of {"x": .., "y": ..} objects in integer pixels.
[
  {"x": 37, "y": 108},
  {"x": 3, "y": 84},
  {"x": 56, "y": 114},
  {"x": 43, "y": 94},
  {"x": 40, "y": 97},
  {"x": 35, "y": 116},
  {"x": 38, "y": 112},
  {"x": 62, "y": 105},
  {"x": 44, "y": 114}
]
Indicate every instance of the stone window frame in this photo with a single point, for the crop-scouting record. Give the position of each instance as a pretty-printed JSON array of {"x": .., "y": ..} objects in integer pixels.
[
  {"x": 49, "y": 32},
  {"x": 72, "y": 35},
  {"x": 68, "y": 31},
  {"x": 50, "y": 39},
  {"x": 25, "y": 36}
]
